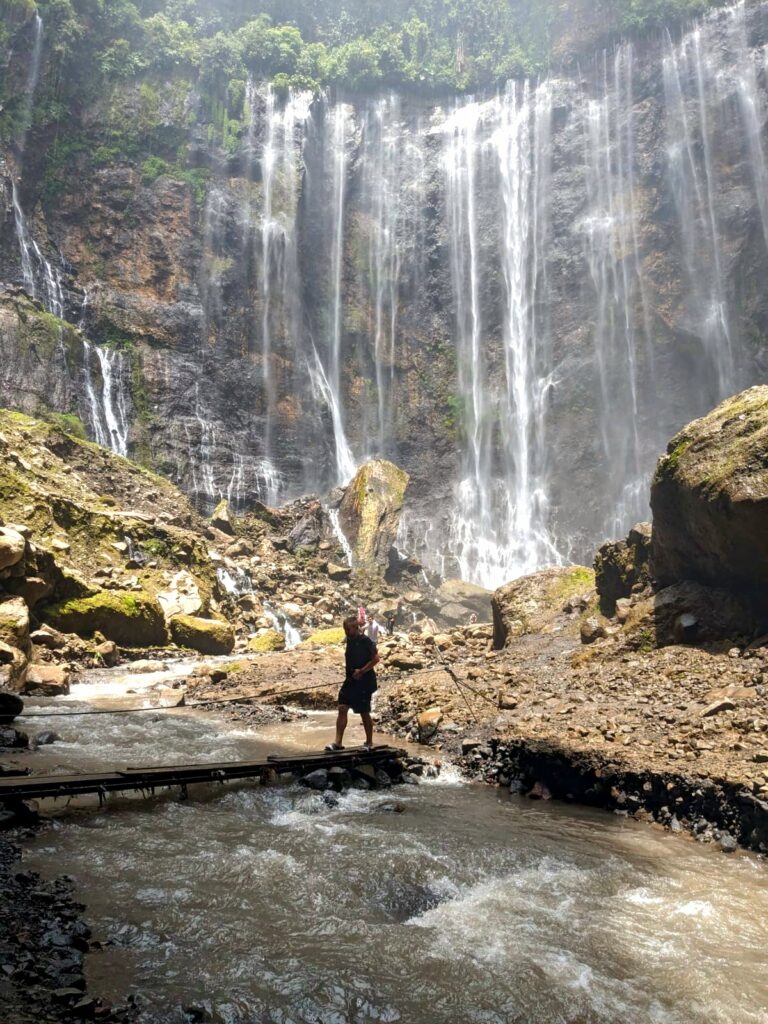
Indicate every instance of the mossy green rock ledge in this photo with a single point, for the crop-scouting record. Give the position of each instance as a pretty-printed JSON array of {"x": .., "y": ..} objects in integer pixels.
[
  {"x": 131, "y": 619},
  {"x": 208, "y": 636},
  {"x": 710, "y": 499}
]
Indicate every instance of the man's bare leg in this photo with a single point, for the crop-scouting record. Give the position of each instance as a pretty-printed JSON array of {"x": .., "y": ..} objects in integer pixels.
[
  {"x": 341, "y": 723},
  {"x": 368, "y": 726}
]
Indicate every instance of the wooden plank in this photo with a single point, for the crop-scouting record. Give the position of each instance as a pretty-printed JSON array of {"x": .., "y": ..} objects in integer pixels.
[{"x": 137, "y": 779}]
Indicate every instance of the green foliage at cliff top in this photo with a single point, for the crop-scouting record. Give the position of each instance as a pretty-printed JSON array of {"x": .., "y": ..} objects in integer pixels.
[{"x": 430, "y": 45}]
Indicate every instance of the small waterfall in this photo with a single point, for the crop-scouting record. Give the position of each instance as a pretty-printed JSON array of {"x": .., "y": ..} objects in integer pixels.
[
  {"x": 690, "y": 78},
  {"x": 107, "y": 411},
  {"x": 113, "y": 399},
  {"x": 341, "y": 537},
  {"x": 282, "y": 624},
  {"x": 33, "y": 76},
  {"x": 41, "y": 280},
  {"x": 328, "y": 378}
]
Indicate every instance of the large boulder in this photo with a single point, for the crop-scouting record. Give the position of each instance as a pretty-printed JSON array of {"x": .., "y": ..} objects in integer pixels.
[
  {"x": 687, "y": 613},
  {"x": 12, "y": 546},
  {"x": 47, "y": 680},
  {"x": 208, "y": 636},
  {"x": 11, "y": 705},
  {"x": 534, "y": 604},
  {"x": 268, "y": 641},
  {"x": 221, "y": 518},
  {"x": 369, "y": 513},
  {"x": 622, "y": 567},
  {"x": 14, "y": 624},
  {"x": 710, "y": 499},
  {"x": 182, "y": 597},
  {"x": 455, "y": 602},
  {"x": 131, "y": 619}
]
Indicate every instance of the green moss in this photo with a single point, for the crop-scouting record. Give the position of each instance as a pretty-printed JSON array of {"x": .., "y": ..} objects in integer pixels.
[
  {"x": 69, "y": 422},
  {"x": 208, "y": 636},
  {"x": 325, "y": 638},
  {"x": 128, "y": 618},
  {"x": 267, "y": 642}
]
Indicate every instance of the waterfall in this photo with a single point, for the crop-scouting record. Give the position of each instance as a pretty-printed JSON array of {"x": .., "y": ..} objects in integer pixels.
[
  {"x": 33, "y": 76},
  {"x": 329, "y": 377},
  {"x": 107, "y": 412},
  {"x": 499, "y": 528},
  {"x": 392, "y": 181},
  {"x": 341, "y": 537},
  {"x": 280, "y": 175},
  {"x": 613, "y": 258},
  {"x": 689, "y": 78}
]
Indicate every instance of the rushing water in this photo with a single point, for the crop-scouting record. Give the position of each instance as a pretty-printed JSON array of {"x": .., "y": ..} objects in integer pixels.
[{"x": 439, "y": 904}]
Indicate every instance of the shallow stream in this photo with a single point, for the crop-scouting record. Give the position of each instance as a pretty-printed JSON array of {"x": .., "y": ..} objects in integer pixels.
[{"x": 439, "y": 904}]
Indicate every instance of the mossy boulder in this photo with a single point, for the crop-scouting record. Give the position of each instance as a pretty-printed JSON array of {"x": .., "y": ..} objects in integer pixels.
[
  {"x": 369, "y": 513},
  {"x": 710, "y": 499},
  {"x": 536, "y": 603},
  {"x": 622, "y": 567},
  {"x": 208, "y": 636},
  {"x": 221, "y": 519},
  {"x": 265, "y": 642},
  {"x": 325, "y": 637},
  {"x": 131, "y": 619}
]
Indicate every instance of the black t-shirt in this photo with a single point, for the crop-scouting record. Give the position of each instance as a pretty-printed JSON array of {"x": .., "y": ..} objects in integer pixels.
[{"x": 360, "y": 650}]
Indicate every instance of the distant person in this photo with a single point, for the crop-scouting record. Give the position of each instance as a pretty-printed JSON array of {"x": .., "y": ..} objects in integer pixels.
[
  {"x": 372, "y": 629},
  {"x": 360, "y": 682}
]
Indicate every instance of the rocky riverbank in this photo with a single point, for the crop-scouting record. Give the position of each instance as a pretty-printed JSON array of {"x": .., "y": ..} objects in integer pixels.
[{"x": 43, "y": 942}]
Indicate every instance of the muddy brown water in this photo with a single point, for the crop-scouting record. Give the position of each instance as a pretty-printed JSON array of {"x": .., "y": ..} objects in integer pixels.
[{"x": 441, "y": 904}]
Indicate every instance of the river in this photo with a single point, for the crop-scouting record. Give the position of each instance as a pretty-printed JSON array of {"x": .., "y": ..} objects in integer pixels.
[{"x": 439, "y": 904}]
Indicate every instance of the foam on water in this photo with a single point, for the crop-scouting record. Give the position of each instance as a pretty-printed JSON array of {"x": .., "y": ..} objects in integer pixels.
[{"x": 428, "y": 904}]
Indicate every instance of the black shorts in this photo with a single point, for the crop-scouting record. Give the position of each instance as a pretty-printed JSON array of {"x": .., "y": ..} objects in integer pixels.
[{"x": 357, "y": 694}]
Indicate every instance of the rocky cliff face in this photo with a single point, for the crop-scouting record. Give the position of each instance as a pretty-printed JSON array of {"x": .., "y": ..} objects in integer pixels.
[{"x": 516, "y": 298}]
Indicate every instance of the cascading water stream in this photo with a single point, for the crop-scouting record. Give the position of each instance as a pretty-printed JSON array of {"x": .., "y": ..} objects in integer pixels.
[
  {"x": 327, "y": 377},
  {"x": 499, "y": 528},
  {"x": 33, "y": 77}
]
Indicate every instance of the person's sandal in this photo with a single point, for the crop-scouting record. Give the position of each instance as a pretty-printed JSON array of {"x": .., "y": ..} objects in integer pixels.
[{"x": 332, "y": 748}]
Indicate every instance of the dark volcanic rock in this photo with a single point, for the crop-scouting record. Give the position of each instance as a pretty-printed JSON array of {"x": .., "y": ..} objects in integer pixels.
[{"x": 710, "y": 499}]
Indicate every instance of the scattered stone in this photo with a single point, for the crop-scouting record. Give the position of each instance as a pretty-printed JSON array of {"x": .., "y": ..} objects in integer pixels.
[
  {"x": 428, "y": 723},
  {"x": 339, "y": 572},
  {"x": 592, "y": 629},
  {"x": 318, "y": 779},
  {"x": 44, "y": 739},
  {"x": 12, "y": 546},
  {"x": 539, "y": 792},
  {"x": 11, "y": 706},
  {"x": 13, "y": 738},
  {"x": 717, "y": 707},
  {"x": 728, "y": 844},
  {"x": 47, "y": 681},
  {"x": 108, "y": 652}
]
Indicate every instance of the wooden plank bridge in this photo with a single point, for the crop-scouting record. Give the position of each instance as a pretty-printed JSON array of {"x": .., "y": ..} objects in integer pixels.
[{"x": 146, "y": 780}]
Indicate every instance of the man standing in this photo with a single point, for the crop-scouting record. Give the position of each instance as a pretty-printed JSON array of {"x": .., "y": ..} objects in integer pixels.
[{"x": 360, "y": 682}]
